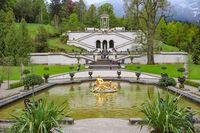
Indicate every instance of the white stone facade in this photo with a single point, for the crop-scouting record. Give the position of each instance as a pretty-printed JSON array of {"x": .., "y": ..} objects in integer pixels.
[{"x": 89, "y": 41}]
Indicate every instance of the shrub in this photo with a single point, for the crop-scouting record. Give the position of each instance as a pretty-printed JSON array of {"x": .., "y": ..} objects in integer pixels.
[
  {"x": 192, "y": 83},
  {"x": 163, "y": 67},
  {"x": 181, "y": 70},
  {"x": 38, "y": 117},
  {"x": 32, "y": 80},
  {"x": 1, "y": 81},
  {"x": 46, "y": 68},
  {"x": 167, "y": 81},
  {"x": 164, "y": 115},
  {"x": 26, "y": 71},
  {"x": 71, "y": 67},
  {"x": 16, "y": 85},
  {"x": 63, "y": 39}
]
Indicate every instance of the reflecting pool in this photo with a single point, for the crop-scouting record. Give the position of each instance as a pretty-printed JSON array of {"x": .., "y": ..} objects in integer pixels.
[{"x": 84, "y": 104}]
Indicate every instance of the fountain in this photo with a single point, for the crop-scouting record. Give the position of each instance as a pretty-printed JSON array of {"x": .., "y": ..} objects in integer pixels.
[{"x": 102, "y": 86}]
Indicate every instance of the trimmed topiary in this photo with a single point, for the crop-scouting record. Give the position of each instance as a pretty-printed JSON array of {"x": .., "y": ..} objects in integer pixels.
[
  {"x": 32, "y": 80},
  {"x": 167, "y": 81},
  {"x": 26, "y": 71}
]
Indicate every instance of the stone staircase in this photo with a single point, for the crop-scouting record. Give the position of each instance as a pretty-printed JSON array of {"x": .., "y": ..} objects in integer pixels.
[{"x": 104, "y": 64}]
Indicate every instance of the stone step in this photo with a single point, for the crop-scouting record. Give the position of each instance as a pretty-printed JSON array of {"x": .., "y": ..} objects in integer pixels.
[
  {"x": 104, "y": 62},
  {"x": 103, "y": 67}
]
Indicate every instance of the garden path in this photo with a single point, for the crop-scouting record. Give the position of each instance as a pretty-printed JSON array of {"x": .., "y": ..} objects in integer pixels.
[
  {"x": 103, "y": 125},
  {"x": 5, "y": 92}
]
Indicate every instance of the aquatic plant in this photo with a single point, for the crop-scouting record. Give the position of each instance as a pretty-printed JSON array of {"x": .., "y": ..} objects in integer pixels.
[
  {"x": 38, "y": 117},
  {"x": 164, "y": 115}
]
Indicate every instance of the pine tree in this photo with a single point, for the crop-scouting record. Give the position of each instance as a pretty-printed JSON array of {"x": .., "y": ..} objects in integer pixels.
[
  {"x": 41, "y": 44},
  {"x": 25, "y": 43}
]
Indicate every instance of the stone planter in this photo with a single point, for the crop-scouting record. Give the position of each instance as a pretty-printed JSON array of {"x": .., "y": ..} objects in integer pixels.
[
  {"x": 119, "y": 74},
  {"x": 90, "y": 74},
  {"x": 164, "y": 75},
  {"x": 71, "y": 75},
  {"x": 46, "y": 77},
  {"x": 1, "y": 82},
  {"x": 69, "y": 121},
  {"x": 181, "y": 80},
  {"x": 26, "y": 88},
  {"x": 138, "y": 75}
]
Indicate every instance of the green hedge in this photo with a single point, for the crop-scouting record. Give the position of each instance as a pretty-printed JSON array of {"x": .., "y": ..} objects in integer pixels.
[
  {"x": 1, "y": 81},
  {"x": 192, "y": 83},
  {"x": 16, "y": 85},
  {"x": 167, "y": 81}
]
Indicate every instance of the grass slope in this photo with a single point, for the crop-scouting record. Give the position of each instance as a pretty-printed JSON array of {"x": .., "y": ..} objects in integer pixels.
[
  {"x": 37, "y": 69},
  {"x": 55, "y": 43},
  {"x": 33, "y": 28},
  {"x": 168, "y": 48}
]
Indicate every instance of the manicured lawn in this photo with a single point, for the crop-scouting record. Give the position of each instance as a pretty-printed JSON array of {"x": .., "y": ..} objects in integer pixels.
[
  {"x": 55, "y": 43},
  {"x": 156, "y": 69},
  {"x": 194, "y": 71},
  {"x": 168, "y": 48},
  {"x": 38, "y": 69},
  {"x": 33, "y": 28}
]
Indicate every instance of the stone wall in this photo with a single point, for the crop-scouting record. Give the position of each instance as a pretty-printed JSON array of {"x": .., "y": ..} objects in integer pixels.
[
  {"x": 61, "y": 58},
  {"x": 161, "y": 58},
  {"x": 56, "y": 59}
]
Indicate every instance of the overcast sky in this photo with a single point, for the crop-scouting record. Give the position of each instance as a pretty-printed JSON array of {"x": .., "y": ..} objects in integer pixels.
[
  {"x": 88, "y": 1},
  {"x": 98, "y": 1}
]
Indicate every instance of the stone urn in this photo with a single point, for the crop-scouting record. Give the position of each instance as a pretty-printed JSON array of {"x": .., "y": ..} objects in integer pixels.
[
  {"x": 119, "y": 74},
  {"x": 90, "y": 74},
  {"x": 26, "y": 88},
  {"x": 1, "y": 82},
  {"x": 46, "y": 77},
  {"x": 164, "y": 75},
  {"x": 138, "y": 75},
  {"x": 181, "y": 80},
  {"x": 71, "y": 74}
]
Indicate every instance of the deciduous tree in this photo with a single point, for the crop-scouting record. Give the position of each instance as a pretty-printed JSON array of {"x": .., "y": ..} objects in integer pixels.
[{"x": 148, "y": 14}]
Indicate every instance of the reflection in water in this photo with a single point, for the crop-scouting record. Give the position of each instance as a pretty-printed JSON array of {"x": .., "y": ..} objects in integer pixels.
[
  {"x": 83, "y": 104},
  {"x": 104, "y": 97},
  {"x": 90, "y": 85},
  {"x": 119, "y": 85},
  {"x": 71, "y": 87},
  {"x": 137, "y": 87}
]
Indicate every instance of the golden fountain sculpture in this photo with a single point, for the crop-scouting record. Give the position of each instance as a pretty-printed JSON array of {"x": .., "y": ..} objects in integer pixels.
[{"x": 104, "y": 86}]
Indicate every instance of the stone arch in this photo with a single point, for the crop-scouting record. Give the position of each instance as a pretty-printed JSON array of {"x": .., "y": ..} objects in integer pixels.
[
  {"x": 98, "y": 44},
  {"x": 111, "y": 44},
  {"x": 105, "y": 45}
]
